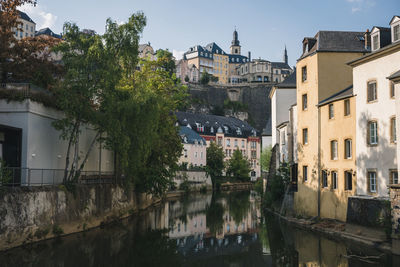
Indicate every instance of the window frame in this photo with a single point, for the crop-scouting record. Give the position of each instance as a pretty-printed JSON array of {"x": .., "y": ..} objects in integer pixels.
[
  {"x": 331, "y": 111},
  {"x": 392, "y": 89},
  {"x": 369, "y": 123},
  {"x": 391, "y": 172},
  {"x": 305, "y": 136},
  {"x": 305, "y": 173},
  {"x": 324, "y": 175},
  {"x": 393, "y": 129},
  {"x": 347, "y": 108},
  {"x": 346, "y": 156},
  {"x": 374, "y": 81},
  {"x": 369, "y": 184},
  {"x": 348, "y": 186},
  {"x": 304, "y": 74},
  {"x": 304, "y": 102},
  {"x": 334, "y": 180},
  {"x": 334, "y": 156}
]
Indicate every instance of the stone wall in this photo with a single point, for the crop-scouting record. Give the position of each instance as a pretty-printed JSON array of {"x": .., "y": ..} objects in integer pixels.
[
  {"x": 32, "y": 214},
  {"x": 256, "y": 97},
  {"x": 394, "y": 191},
  {"x": 196, "y": 179},
  {"x": 367, "y": 211}
]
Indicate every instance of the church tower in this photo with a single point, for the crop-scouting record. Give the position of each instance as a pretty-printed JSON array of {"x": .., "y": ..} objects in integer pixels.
[
  {"x": 285, "y": 57},
  {"x": 235, "y": 46}
]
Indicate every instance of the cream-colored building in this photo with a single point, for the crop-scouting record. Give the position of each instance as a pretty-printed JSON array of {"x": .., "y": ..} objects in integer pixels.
[
  {"x": 323, "y": 60},
  {"x": 146, "y": 51},
  {"x": 376, "y": 112},
  {"x": 337, "y": 153},
  {"x": 395, "y": 79},
  {"x": 194, "y": 148},
  {"x": 229, "y": 133},
  {"x": 187, "y": 73},
  {"x": 27, "y": 27}
]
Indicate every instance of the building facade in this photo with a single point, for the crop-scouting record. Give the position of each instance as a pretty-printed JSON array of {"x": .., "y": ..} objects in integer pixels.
[
  {"x": 337, "y": 153},
  {"x": 323, "y": 59},
  {"x": 229, "y": 133},
  {"x": 376, "y": 112},
  {"x": 27, "y": 27},
  {"x": 194, "y": 148},
  {"x": 187, "y": 73}
]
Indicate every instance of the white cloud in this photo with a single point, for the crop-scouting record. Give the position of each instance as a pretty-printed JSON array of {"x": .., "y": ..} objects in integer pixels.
[
  {"x": 38, "y": 14},
  {"x": 359, "y": 5},
  {"x": 355, "y": 9},
  {"x": 177, "y": 54}
]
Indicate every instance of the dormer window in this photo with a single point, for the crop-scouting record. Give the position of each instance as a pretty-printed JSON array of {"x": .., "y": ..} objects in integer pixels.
[
  {"x": 238, "y": 131},
  {"x": 226, "y": 129},
  {"x": 212, "y": 130},
  {"x": 396, "y": 32},
  {"x": 375, "y": 42}
]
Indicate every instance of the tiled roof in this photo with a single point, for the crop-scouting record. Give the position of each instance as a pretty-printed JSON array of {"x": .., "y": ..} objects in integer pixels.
[
  {"x": 336, "y": 41},
  {"x": 189, "y": 136},
  {"x": 289, "y": 82},
  {"x": 205, "y": 124},
  {"x": 47, "y": 31},
  {"x": 25, "y": 16},
  {"x": 213, "y": 48},
  {"x": 345, "y": 93},
  {"x": 280, "y": 65}
]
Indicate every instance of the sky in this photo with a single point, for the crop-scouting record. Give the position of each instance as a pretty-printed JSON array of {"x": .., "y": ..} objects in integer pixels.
[{"x": 264, "y": 26}]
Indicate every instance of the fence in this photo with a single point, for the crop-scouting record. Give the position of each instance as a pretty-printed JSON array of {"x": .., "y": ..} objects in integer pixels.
[{"x": 11, "y": 177}]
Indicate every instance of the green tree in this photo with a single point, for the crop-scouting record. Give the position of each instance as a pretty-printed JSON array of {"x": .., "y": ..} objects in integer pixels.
[
  {"x": 205, "y": 78},
  {"x": 166, "y": 61},
  {"x": 265, "y": 158},
  {"x": 238, "y": 167},
  {"x": 215, "y": 162}
]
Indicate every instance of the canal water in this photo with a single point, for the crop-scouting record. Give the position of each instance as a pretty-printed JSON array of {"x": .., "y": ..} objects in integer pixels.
[{"x": 226, "y": 229}]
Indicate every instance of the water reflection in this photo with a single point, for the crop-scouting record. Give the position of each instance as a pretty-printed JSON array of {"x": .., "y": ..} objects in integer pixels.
[{"x": 199, "y": 230}]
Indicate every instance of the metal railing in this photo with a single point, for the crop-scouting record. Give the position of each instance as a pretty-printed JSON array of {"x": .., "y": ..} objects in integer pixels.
[{"x": 16, "y": 176}]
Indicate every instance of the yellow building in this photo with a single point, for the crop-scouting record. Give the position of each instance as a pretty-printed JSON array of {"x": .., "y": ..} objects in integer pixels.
[
  {"x": 321, "y": 72},
  {"x": 220, "y": 62},
  {"x": 338, "y": 153}
]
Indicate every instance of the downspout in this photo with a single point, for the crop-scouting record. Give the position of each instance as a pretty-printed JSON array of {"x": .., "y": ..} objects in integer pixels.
[{"x": 319, "y": 161}]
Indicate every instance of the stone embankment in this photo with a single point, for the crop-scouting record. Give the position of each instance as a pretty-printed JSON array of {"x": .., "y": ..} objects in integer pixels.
[{"x": 32, "y": 214}]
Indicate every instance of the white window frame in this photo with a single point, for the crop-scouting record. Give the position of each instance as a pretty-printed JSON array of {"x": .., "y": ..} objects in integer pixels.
[
  {"x": 372, "y": 186},
  {"x": 348, "y": 148},
  {"x": 334, "y": 176}
]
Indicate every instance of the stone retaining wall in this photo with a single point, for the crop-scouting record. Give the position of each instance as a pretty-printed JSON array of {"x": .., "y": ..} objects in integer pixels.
[{"x": 32, "y": 214}]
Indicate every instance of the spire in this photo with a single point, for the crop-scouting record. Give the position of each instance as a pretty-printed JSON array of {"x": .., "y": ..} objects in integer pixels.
[
  {"x": 235, "y": 40},
  {"x": 285, "y": 56}
]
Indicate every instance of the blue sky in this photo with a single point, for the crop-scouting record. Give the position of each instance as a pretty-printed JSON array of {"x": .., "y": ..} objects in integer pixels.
[{"x": 264, "y": 26}]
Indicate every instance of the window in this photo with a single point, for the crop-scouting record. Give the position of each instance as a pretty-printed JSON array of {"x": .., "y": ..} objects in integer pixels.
[
  {"x": 324, "y": 179},
  {"x": 371, "y": 91},
  {"x": 242, "y": 143},
  {"x": 305, "y": 136},
  {"x": 348, "y": 149},
  {"x": 304, "y": 101},
  {"x": 394, "y": 177},
  {"x": 283, "y": 137},
  {"x": 253, "y": 144},
  {"x": 372, "y": 133},
  {"x": 253, "y": 154},
  {"x": 396, "y": 33},
  {"x": 392, "y": 91},
  {"x": 228, "y": 142},
  {"x": 334, "y": 150},
  {"x": 219, "y": 141},
  {"x": 347, "y": 107},
  {"x": 236, "y": 142},
  {"x": 334, "y": 180},
  {"x": 185, "y": 153},
  {"x": 305, "y": 173},
  {"x": 331, "y": 111},
  {"x": 393, "y": 138},
  {"x": 195, "y": 154},
  {"x": 304, "y": 73},
  {"x": 372, "y": 181},
  {"x": 375, "y": 42},
  {"x": 348, "y": 179}
]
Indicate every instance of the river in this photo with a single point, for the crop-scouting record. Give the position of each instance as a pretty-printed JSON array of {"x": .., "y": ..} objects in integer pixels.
[{"x": 225, "y": 229}]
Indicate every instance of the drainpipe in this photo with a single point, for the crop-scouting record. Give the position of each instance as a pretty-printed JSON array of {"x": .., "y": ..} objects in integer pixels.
[{"x": 319, "y": 161}]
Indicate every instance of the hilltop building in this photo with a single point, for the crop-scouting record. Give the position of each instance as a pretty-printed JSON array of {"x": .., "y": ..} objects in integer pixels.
[
  {"x": 47, "y": 32},
  {"x": 234, "y": 68},
  {"x": 194, "y": 148},
  {"x": 228, "y": 132},
  {"x": 27, "y": 28}
]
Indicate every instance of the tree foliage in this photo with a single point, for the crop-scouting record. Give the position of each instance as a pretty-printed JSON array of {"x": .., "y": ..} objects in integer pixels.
[
  {"x": 30, "y": 59},
  {"x": 238, "y": 167},
  {"x": 265, "y": 158},
  {"x": 215, "y": 162},
  {"x": 166, "y": 61}
]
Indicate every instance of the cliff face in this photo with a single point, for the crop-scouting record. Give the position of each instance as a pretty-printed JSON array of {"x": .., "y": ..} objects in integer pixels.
[{"x": 252, "y": 100}]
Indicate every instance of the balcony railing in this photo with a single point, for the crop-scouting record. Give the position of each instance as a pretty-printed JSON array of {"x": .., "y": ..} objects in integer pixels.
[{"x": 15, "y": 176}]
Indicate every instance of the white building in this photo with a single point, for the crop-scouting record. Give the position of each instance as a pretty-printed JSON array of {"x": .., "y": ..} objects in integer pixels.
[
  {"x": 194, "y": 148},
  {"x": 27, "y": 28},
  {"x": 375, "y": 112},
  {"x": 32, "y": 147},
  {"x": 283, "y": 96},
  {"x": 395, "y": 79}
]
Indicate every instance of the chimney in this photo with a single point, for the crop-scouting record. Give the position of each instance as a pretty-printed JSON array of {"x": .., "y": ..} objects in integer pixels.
[
  {"x": 249, "y": 56},
  {"x": 367, "y": 40}
]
